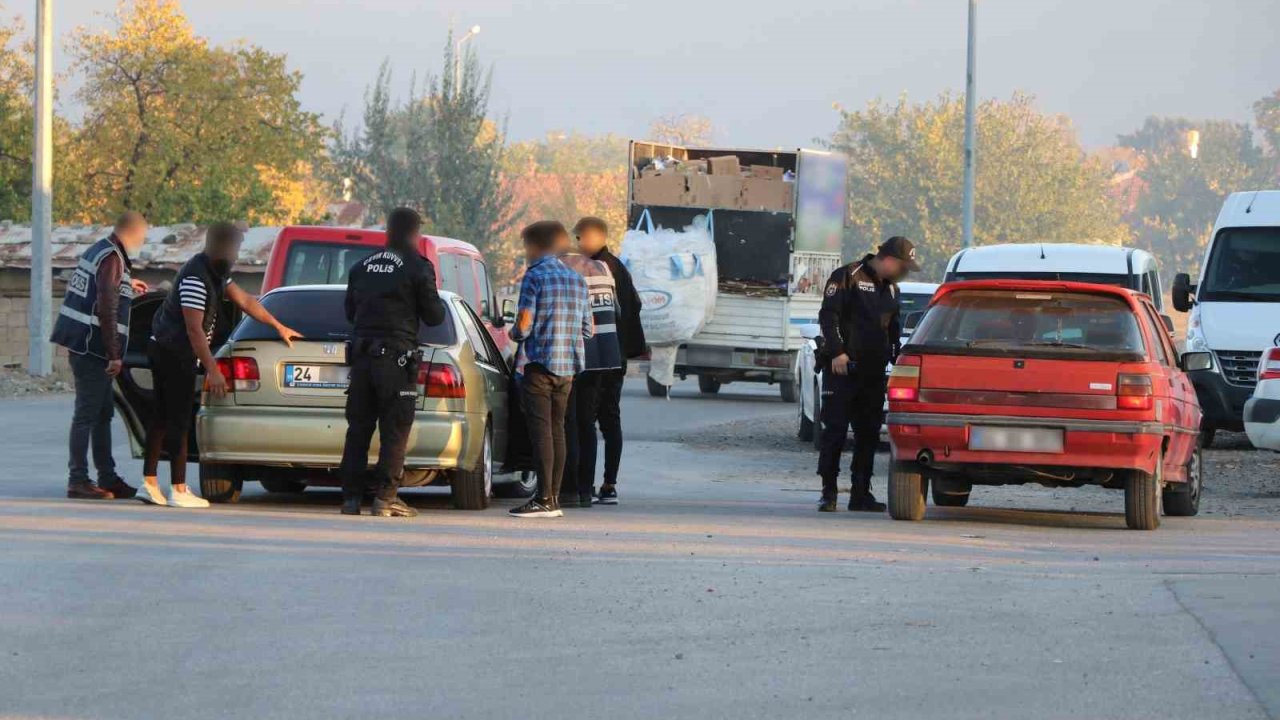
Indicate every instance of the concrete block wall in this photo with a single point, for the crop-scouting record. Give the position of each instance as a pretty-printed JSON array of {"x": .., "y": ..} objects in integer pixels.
[{"x": 14, "y": 336}]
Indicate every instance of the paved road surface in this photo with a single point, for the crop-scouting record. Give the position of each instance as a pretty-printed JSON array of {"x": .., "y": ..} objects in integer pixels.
[{"x": 714, "y": 591}]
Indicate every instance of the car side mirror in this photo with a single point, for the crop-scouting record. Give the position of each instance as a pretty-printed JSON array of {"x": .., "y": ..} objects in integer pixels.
[
  {"x": 1194, "y": 361},
  {"x": 1183, "y": 292},
  {"x": 508, "y": 311}
]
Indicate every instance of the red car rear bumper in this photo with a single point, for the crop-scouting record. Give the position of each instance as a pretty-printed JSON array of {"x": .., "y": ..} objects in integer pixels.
[{"x": 1086, "y": 443}]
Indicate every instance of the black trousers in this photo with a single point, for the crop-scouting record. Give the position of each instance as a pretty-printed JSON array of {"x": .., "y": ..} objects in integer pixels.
[
  {"x": 580, "y": 434},
  {"x": 609, "y": 413},
  {"x": 173, "y": 374},
  {"x": 545, "y": 398},
  {"x": 91, "y": 421},
  {"x": 382, "y": 394},
  {"x": 855, "y": 400}
]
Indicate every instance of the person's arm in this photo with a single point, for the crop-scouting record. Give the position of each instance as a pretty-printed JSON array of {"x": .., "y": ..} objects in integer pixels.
[
  {"x": 349, "y": 300},
  {"x": 525, "y": 309},
  {"x": 110, "y": 270},
  {"x": 192, "y": 296},
  {"x": 251, "y": 307},
  {"x": 829, "y": 320},
  {"x": 430, "y": 307},
  {"x": 895, "y": 330}
]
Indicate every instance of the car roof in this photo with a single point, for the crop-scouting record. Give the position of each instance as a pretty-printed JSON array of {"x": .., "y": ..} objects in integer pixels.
[
  {"x": 1046, "y": 257},
  {"x": 1012, "y": 285},
  {"x": 324, "y": 233},
  {"x": 1254, "y": 208},
  {"x": 444, "y": 294}
]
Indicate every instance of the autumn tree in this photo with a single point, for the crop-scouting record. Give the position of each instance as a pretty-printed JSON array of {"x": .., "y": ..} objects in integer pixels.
[
  {"x": 682, "y": 129},
  {"x": 1034, "y": 182},
  {"x": 180, "y": 129},
  {"x": 1185, "y": 179},
  {"x": 15, "y": 124}
]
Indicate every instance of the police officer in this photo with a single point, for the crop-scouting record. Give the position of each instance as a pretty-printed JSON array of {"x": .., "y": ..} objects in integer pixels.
[
  {"x": 389, "y": 294},
  {"x": 860, "y": 330}
]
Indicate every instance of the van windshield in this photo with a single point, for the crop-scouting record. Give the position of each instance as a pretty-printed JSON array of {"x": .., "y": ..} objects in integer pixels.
[
  {"x": 1244, "y": 266},
  {"x": 320, "y": 263},
  {"x": 1030, "y": 324},
  {"x": 321, "y": 315}
]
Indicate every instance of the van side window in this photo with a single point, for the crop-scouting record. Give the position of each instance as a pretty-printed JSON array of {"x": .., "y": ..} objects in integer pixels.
[
  {"x": 485, "y": 292},
  {"x": 464, "y": 276},
  {"x": 448, "y": 272}
]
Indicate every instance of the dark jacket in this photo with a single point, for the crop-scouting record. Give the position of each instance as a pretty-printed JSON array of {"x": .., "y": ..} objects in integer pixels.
[
  {"x": 94, "y": 317},
  {"x": 168, "y": 327},
  {"x": 630, "y": 331},
  {"x": 602, "y": 349},
  {"x": 389, "y": 293},
  {"x": 859, "y": 316}
]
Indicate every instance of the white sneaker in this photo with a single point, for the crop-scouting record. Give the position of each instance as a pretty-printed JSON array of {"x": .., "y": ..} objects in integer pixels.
[
  {"x": 150, "y": 494},
  {"x": 186, "y": 499}
]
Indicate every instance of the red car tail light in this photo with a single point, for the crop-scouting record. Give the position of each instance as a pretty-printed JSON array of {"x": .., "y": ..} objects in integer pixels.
[
  {"x": 241, "y": 372},
  {"x": 1134, "y": 392},
  {"x": 904, "y": 379},
  {"x": 441, "y": 381},
  {"x": 1269, "y": 368}
]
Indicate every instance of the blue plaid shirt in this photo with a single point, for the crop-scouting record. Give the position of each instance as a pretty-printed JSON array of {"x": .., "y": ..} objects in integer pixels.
[{"x": 557, "y": 299}]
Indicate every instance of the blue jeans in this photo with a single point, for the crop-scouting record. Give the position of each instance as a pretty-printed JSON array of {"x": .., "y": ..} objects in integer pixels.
[{"x": 91, "y": 421}]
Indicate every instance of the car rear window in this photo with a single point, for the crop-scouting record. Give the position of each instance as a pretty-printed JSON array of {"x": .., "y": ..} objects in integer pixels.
[
  {"x": 319, "y": 263},
  {"x": 321, "y": 315},
  {"x": 1030, "y": 324}
]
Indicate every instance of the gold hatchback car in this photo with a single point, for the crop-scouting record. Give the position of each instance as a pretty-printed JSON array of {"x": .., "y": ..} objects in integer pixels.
[{"x": 282, "y": 421}]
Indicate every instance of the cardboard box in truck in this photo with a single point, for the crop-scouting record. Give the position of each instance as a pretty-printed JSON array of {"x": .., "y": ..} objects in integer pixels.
[
  {"x": 767, "y": 171},
  {"x": 666, "y": 189},
  {"x": 714, "y": 191},
  {"x": 766, "y": 194},
  {"x": 726, "y": 165}
]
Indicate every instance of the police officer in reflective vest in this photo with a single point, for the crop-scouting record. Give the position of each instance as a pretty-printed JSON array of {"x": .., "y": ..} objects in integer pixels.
[
  {"x": 93, "y": 325},
  {"x": 389, "y": 294},
  {"x": 860, "y": 330}
]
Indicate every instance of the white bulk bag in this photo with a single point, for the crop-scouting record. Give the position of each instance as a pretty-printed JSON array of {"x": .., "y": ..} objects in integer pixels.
[{"x": 675, "y": 275}]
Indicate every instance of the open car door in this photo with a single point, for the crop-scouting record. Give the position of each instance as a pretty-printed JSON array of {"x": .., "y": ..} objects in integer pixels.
[{"x": 134, "y": 392}]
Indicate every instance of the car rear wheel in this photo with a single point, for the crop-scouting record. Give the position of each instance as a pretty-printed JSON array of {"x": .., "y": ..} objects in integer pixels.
[
  {"x": 220, "y": 483},
  {"x": 906, "y": 492},
  {"x": 283, "y": 486},
  {"x": 656, "y": 389},
  {"x": 789, "y": 391},
  {"x": 1206, "y": 434},
  {"x": 471, "y": 488},
  {"x": 1142, "y": 499},
  {"x": 708, "y": 384},
  {"x": 524, "y": 485},
  {"x": 950, "y": 493},
  {"x": 1183, "y": 499}
]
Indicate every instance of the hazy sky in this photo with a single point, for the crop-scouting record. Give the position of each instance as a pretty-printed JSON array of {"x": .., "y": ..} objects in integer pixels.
[{"x": 767, "y": 73}]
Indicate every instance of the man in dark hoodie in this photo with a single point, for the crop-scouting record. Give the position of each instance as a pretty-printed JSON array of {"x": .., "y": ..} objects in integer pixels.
[{"x": 593, "y": 236}]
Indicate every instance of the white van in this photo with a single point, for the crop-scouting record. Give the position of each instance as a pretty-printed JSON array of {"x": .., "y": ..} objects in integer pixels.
[
  {"x": 1106, "y": 264},
  {"x": 1235, "y": 306}
]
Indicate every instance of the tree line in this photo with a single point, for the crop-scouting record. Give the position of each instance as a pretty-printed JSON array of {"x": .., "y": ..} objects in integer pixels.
[{"x": 189, "y": 131}]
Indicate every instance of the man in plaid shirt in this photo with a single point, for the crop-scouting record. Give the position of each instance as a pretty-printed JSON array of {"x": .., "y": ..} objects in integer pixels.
[{"x": 553, "y": 320}]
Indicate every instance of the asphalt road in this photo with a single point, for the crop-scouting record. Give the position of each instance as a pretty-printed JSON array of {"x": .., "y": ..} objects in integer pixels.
[{"x": 713, "y": 591}]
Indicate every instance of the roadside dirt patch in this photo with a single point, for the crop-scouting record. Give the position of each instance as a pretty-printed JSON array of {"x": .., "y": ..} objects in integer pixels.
[{"x": 17, "y": 383}]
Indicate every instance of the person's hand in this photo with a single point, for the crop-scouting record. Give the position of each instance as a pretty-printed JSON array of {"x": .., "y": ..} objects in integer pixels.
[
  {"x": 139, "y": 286},
  {"x": 288, "y": 335},
  {"x": 114, "y": 367},
  {"x": 215, "y": 384},
  {"x": 840, "y": 364}
]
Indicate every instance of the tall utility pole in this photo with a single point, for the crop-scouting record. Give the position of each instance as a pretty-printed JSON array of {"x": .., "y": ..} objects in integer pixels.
[
  {"x": 40, "y": 312},
  {"x": 970, "y": 100},
  {"x": 457, "y": 58}
]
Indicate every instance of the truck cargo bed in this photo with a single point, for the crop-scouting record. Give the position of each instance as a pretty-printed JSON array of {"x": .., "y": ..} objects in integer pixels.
[{"x": 758, "y": 322}]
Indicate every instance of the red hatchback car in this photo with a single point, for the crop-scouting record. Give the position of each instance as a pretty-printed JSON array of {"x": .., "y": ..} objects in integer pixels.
[
  {"x": 1058, "y": 383},
  {"x": 304, "y": 255}
]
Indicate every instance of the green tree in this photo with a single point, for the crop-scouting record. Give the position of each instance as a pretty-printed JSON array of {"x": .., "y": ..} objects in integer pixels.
[
  {"x": 1181, "y": 194},
  {"x": 15, "y": 124},
  {"x": 1034, "y": 182},
  {"x": 1267, "y": 115},
  {"x": 177, "y": 128},
  {"x": 437, "y": 152}
]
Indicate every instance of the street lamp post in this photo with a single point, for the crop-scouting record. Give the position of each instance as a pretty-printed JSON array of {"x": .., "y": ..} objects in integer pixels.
[
  {"x": 970, "y": 101},
  {"x": 457, "y": 57},
  {"x": 40, "y": 311}
]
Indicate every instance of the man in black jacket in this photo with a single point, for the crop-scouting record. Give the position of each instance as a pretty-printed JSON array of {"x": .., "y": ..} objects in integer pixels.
[
  {"x": 860, "y": 330},
  {"x": 593, "y": 236},
  {"x": 389, "y": 294}
]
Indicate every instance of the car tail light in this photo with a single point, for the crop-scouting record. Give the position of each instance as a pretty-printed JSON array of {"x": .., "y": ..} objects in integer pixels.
[
  {"x": 437, "y": 380},
  {"x": 241, "y": 373},
  {"x": 904, "y": 380},
  {"x": 1269, "y": 368},
  {"x": 1134, "y": 392}
]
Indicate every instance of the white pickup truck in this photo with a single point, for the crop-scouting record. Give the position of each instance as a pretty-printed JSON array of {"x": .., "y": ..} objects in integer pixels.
[{"x": 778, "y": 225}]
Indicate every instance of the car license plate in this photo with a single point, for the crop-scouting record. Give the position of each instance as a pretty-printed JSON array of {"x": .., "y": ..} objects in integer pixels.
[
  {"x": 1015, "y": 439},
  {"x": 333, "y": 377}
]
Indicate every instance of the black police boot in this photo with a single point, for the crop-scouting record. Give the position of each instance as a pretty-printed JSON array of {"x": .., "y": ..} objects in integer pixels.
[
  {"x": 350, "y": 504},
  {"x": 395, "y": 507},
  {"x": 865, "y": 502},
  {"x": 827, "y": 504}
]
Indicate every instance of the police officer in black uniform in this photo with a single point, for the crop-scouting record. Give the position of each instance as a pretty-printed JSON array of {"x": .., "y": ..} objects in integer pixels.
[
  {"x": 389, "y": 294},
  {"x": 860, "y": 330}
]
